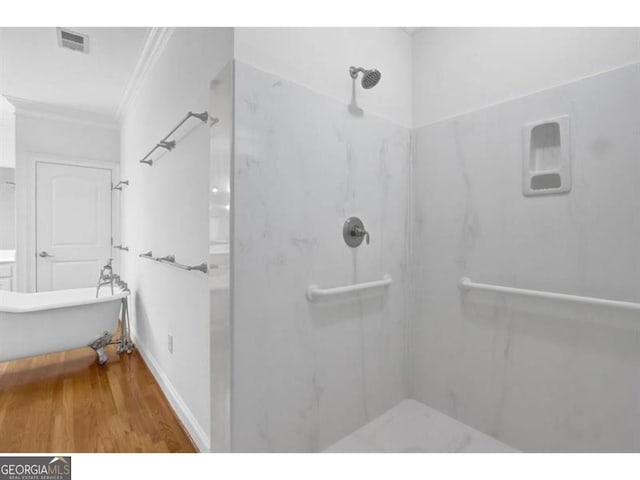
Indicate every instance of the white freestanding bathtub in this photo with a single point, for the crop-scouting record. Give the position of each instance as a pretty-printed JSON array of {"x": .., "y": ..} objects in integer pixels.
[{"x": 48, "y": 322}]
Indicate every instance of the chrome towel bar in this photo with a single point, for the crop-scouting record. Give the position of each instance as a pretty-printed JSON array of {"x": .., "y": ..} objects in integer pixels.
[
  {"x": 171, "y": 260},
  {"x": 467, "y": 284},
  {"x": 171, "y": 144},
  {"x": 314, "y": 292}
]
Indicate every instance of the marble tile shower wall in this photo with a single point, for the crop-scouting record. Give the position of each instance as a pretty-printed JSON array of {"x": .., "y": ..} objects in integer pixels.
[
  {"x": 538, "y": 375},
  {"x": 307, "y": 374}
]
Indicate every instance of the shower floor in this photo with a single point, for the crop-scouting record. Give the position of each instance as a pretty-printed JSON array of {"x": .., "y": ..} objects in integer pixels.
[{"x": 411, "y": 426}]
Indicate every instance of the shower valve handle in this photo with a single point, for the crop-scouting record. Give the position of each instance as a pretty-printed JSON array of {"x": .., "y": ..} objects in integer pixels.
[
  {"x": 360, "y": 232},
  {"x": 353, "y": 232}
]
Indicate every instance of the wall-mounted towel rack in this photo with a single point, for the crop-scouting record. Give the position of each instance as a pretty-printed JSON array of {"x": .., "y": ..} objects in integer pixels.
[
  {"x": 171, "y": 260},
  {"x": 121, "y": 247},
  {"x": 170, "y": 144},
  {"x": 120, "y": 185},
  {"x": 314, "y": 292},
  {"x": 467, "y": 284}
]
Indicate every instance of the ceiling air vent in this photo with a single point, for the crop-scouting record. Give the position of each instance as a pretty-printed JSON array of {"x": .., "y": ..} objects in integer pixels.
[{"x": 73, "y": 40}]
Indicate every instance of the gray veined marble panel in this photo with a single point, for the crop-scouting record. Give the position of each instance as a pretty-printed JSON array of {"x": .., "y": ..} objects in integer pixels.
[
  {"x": 413, "y": 427},
  {"x": 540, "y": 375},
  {"x": 306, "y": 374}
]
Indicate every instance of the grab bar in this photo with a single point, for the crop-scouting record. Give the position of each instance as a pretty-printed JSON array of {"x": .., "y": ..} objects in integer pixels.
[
  {"x": 313, "y": 291},
  {"x": 467, "y": 284},
  {"x": 171, "y": 260},
  {"x": 171, "y": 144}
]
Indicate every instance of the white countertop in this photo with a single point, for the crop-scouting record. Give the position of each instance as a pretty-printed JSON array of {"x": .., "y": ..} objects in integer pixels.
[{"x": 7, "y": 256}]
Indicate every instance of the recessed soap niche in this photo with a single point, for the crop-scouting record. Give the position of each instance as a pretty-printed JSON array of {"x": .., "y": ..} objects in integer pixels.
[{"x": 546, "y": 163}]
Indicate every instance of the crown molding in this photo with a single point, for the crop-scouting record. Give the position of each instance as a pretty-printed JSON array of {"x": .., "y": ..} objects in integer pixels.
[
  {"x": 154, "y": 45},
  {"x": 32, "y": 109}
]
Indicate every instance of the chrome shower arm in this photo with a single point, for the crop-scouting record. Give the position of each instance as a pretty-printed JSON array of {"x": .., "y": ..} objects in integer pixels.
[{"x": 353, "y": 71}]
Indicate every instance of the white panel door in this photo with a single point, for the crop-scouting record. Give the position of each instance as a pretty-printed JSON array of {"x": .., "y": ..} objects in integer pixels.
[{"x": 73, "y": 225}]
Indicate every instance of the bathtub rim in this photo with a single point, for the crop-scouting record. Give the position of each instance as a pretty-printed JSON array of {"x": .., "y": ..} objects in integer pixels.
[{"x": 66, "y": 301}]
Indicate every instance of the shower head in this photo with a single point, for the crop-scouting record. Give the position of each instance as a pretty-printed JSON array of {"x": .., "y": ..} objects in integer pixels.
[{"x": 370, "y": 78}]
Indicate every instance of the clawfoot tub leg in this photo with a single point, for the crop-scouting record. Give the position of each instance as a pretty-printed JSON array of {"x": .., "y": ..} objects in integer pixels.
[
  {"x": 99, "y": 344},
  {"x": 125, "y": 343},
  {"x": 102, "y": 357}
]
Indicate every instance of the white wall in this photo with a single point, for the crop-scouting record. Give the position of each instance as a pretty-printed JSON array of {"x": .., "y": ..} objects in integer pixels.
[
  {"x": 165, "y": 209},
  {"x": 7, "y": 144},
  {"x": 7, "y": 134},
  {"x": 319, "y": 58},
  {"x": 7, "y": 209},
  {"x": 540, "y": 375},
  {"x": 456, "y": 70},
  {"x": 7, "y": 173},
  {"x": 66, "y": 138}
]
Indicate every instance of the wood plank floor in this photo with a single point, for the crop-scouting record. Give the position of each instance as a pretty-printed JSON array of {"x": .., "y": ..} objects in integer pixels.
[{"x": 67, "y": 403}]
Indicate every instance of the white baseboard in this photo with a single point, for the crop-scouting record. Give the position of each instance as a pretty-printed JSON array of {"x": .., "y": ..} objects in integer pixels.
[{"x": 195, "y": 430}]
